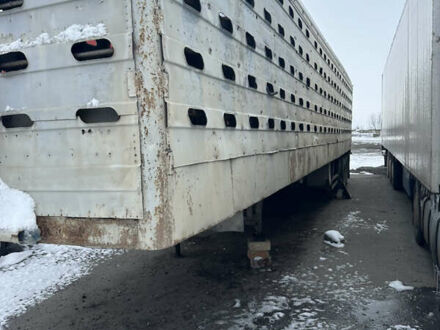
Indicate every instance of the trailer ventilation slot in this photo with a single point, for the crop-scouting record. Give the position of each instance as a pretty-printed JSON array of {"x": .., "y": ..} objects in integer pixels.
[
  {"x": 271, "y": 123},
  {"x": 270, "y": 90},
  {"x": 230, "y": 120},
  {"x": 197, "y": 117},
  {"x": 92, "y": 50},
  {"x": 98, "y": 115},
  {"x": 283, "y": 125},
  {"x": 250, "y": 40},
  {"x": 10, "y": 4},
  {"x": 13, "y": 61},
  {"x": 254, "y": 122},
  {"x": 252, "y": 82},
  {"x": 268, "y": 52},
  {"x": 228, "y": 72},
  {"x": 194, "y": 59},
  {"x": 16, "y": 121},
  {"x": 226, "y": 23},
  {"x": 194, "y": 4}
]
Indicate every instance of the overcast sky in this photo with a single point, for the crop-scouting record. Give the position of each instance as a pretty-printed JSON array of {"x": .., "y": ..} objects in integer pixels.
[{"x": 360, "y": 33}]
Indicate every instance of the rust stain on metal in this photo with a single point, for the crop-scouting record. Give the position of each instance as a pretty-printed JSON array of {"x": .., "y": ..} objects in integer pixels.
[{"x": 108, "y": 233}]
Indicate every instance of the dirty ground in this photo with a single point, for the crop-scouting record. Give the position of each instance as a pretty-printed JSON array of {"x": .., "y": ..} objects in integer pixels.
[{"x": 311, "y": 284}]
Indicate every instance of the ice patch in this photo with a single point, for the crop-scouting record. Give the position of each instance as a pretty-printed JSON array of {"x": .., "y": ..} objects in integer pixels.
[
  {"x": 73, "y": 33},
  {"x": 16, "y": 210},
  {"x": 93, "y": 103},
  {"x": 399, "y": 286},
  {"x": 42, "y": 271}
]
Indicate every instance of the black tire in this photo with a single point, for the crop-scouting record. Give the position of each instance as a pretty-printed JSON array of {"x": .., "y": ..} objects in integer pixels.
[
  {"x": 435, "y": 240},
  {"x": 396, "y": 180},
  {"x": 426, "y": 219},
  {"x": 418, "y": 234}
]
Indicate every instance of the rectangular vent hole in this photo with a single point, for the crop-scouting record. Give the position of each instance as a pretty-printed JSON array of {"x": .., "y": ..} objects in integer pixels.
[
  {"x": 230, "y": 120},
  {"x": 92, "y": 50},
  {"x": 250, "y": 40},
  {"x": 10, "y": 4},
  {"x": 267, "y": 16},
  {"x": 13, "y": 61},
  {"x": 194, "y": 4},
  {"x": 194, "y": 59},
  {"x": 228, "y": 72},
  {"x": 197, "y": 117},
  {"x": 98, "y": 115},
  {"x": 226, "y": 23},
  {"x": 268, "y": 52},
  {"x": 254, "y": 122},
  {"x": 271, "y": 123},
  {"x": 16, "y": 121},
  {"x": 252, "y": 82}
]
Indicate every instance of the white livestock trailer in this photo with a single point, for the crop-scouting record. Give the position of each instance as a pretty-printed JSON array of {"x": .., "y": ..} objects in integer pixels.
[
  {"x": 140, "y": 123},
  {"x": 411, "y": 116}
]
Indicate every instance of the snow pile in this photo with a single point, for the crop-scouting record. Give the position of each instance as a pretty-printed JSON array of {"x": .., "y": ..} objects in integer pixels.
[
  {"x": 399, "y": 286},
  {"x": 77, "y": 32},
  {"x": 27, "y": 278},
  {"x": 334, "y": 238},
  {"x": 16, "y": 210},
  {"x": 73, "y": 33},
  {"x": 14, "y": 258},
  {"x": 401, "y": 327},
  {"x": 93, "y": 103}
]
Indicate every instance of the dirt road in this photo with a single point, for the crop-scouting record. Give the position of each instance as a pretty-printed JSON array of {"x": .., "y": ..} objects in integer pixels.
[{"x": 311, "y": 284}]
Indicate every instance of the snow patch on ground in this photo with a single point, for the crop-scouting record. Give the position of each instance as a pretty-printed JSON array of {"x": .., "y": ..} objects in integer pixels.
[
  {"x": 362, "y": 158},
  {"x": 294, "y": 302},
  {"x": 380, "y": 227},
  {"x": 29, "y": 277},
  {"x": 334, "y": 236},
  {"x": 73, "y": 33},
  {"x": 14, "y": 258},
  {"x": 399, "y": 286},
  {"x": 16, "y": 210},
  {"x": 366, "y": 139},
  {"x": 401, "y": 327}
]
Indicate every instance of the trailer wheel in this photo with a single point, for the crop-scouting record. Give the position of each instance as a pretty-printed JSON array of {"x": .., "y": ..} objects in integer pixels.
[
  {"x": 418, "y": 234},
  {"x": 435, "y": 240},
  {"x": 396, "y": 170}
]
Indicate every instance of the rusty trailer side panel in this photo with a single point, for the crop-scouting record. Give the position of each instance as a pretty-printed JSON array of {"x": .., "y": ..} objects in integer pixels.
[{"x": 220, "y": 105}]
